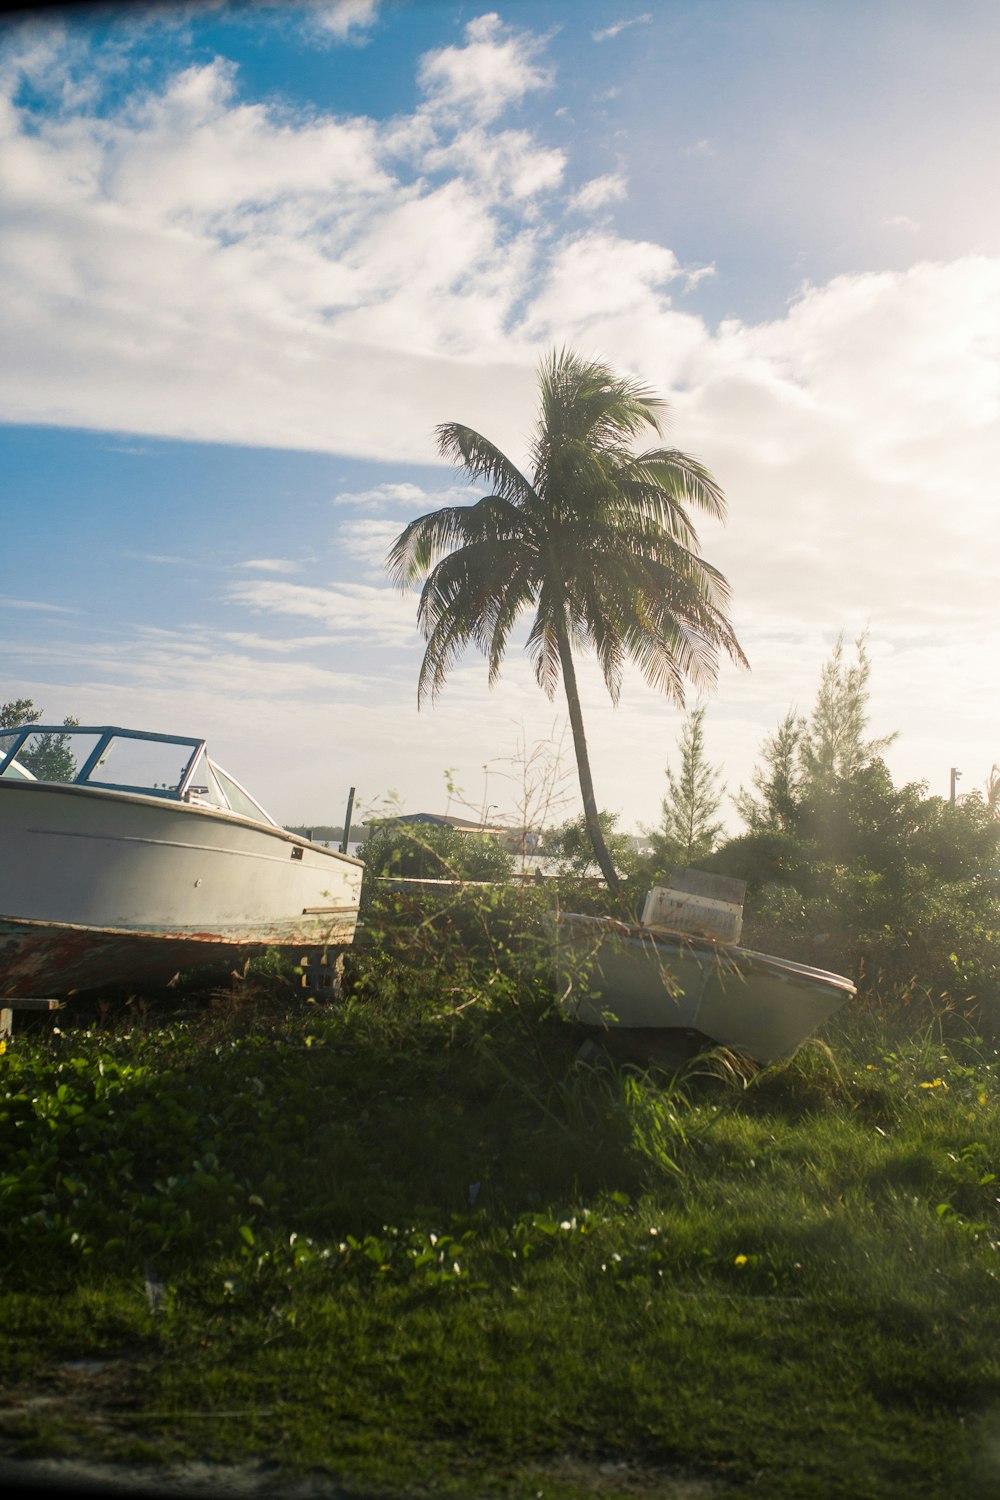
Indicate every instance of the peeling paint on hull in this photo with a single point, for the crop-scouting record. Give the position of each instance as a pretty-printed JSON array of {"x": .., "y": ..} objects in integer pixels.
[{"x": 46, "y": 958}]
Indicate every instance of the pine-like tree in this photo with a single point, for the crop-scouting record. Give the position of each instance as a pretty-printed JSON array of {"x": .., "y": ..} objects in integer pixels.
[
  {"x": 17, "y": 712},
  {"x": 777, "y": 780},
  {"x": 807, "y": 757},
  {"x": 47, "y": 759},
  {"x": 833, "y": 745},
  {"x": 689, "y": 826}
]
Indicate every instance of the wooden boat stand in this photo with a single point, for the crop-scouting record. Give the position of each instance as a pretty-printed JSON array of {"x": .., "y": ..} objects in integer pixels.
[{"x": 12, "y": 1003}]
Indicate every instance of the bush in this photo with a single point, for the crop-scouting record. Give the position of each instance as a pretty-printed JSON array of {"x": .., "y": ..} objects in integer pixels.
[
  {"x": 897, "y": 889},
  {"x": 428, "y": 851}
]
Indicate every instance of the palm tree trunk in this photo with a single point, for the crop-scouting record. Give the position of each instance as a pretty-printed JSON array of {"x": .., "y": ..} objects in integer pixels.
[{"x": 583, "y": 764}]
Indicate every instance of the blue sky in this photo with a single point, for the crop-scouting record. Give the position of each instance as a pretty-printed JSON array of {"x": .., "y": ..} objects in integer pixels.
[{"x": 253, "y": 254}]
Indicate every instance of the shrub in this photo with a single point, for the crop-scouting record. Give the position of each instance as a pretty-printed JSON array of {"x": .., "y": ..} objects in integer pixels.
[{"x": 428, "y": 851}]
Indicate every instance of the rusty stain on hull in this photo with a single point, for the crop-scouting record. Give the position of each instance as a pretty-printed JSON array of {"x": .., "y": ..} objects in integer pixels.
[{"x": 49, "y": 958}]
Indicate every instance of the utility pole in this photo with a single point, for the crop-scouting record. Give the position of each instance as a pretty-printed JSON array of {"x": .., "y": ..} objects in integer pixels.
[{"x": 955, "y": 775}]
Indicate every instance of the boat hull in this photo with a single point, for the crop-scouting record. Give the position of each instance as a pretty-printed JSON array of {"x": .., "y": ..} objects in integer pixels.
[
  {"x": 617, "y": 975},
  {"x": 101, "y": 887}
]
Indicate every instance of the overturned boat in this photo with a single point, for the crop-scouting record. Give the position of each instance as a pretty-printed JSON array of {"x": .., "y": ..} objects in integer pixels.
[
  {"x": 130, "y": 856},
  {"x": 681, "y": 970}
]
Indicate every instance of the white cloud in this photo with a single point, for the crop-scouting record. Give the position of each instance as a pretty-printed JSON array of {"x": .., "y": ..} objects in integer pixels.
[
  {"x": 194, "y": 157},
  {"x": 369, "y": 540},
  {"x": 349, "y": 611},
  {"x": 270, "y": 565},
  {"x": 855, "y": 437},
  {"x": 608, "y": 295},
  {"x": 502, "y": 164},
  {"x": 599, "y": 192},
  {"x": 699, "y": 273},
  {"x": 608, "y": 33},
  {"x": 191, "y": 265},
  {"x": 345, "y": 18},
  {"x": 411, "y": 499},
  {"x": 381, "y": 496},
  {"x": 496, "y": 68},
  {"x": 248, "y": 640},
  {"x": 901, "y": 221},
  {"x": 6, "y": 602}
]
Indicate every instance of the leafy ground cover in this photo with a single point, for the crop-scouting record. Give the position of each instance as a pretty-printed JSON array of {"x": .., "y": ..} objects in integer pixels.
[{"x": 421, "y": 1240}]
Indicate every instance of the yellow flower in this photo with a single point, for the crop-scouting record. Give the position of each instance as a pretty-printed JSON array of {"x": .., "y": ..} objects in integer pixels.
[{"x": 740, "y": 1260}]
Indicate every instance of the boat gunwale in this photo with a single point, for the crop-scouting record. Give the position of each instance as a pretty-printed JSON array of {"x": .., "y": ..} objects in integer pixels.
[
  {"x": 173, "y": 805},
  {"x": 677, "y": 941}
]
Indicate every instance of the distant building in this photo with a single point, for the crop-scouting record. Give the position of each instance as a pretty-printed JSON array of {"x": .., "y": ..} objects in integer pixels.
[
  {"x": 442, "y": 820},
  {"x": 517, "y": 840}
]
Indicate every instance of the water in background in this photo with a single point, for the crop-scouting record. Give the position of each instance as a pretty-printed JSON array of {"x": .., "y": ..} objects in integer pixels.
[{"x": 352, "y": 847}]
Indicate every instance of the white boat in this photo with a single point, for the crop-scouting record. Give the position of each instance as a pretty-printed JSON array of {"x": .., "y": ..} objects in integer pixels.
[
  {"x": 126, "y": 855},
  {"x": 651, "y": 978}
]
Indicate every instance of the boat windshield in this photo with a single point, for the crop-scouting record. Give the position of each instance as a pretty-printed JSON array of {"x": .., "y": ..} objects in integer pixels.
[
  {"x": 140, "y": 765},
  {"x": 45, "y": 754},
  {"x": 124, "y": 760},
  {"x": 211, "y": 786}
]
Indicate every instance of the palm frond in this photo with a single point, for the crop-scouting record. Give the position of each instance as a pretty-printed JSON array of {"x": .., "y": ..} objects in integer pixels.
[
  {"x": 542, "y": 646},
  {"x": 481, "y": 459},
  {"x": 419, "y": 546},
  {"x": 473, "y": 596},
  {"x": 682, "y": 477}
]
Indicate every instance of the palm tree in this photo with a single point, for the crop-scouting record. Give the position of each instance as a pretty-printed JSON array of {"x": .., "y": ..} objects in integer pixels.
[
  {"x": 993, "y": 792},
  {"x": 598, "y": 543}
]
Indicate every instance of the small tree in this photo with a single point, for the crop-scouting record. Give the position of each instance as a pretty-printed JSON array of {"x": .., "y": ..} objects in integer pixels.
[
  {"x": 570, "y": 845},
  {"x": 52, "y": 758},
  {"x": 777, "y": 780},
  {"x": 18, "y": 712},
  {"x": 689, "y": 826},
  {"x": 833, "y": 743}
]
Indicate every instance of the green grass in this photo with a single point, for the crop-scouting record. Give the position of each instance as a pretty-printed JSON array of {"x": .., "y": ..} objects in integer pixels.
[{"x": 413, "y": 1240}]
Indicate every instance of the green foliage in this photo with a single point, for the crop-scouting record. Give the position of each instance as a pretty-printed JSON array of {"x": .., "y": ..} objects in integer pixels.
[
  {"x": 896, "y": 888},
  {"x": 777, "y": 780},
  {"x": 849, "y": 872},
  {"x": 457, "y": 1226},
  {"x": 50, "y": 759},
  {"x": 689, "y": 827},
  {"x": 570, "y": 845},
  {"x": 812, "y": 755},
  {"x": 17, "y": 712},
  {"x": 427, "y": 851},
  {"x": 833, "y": 747}
]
